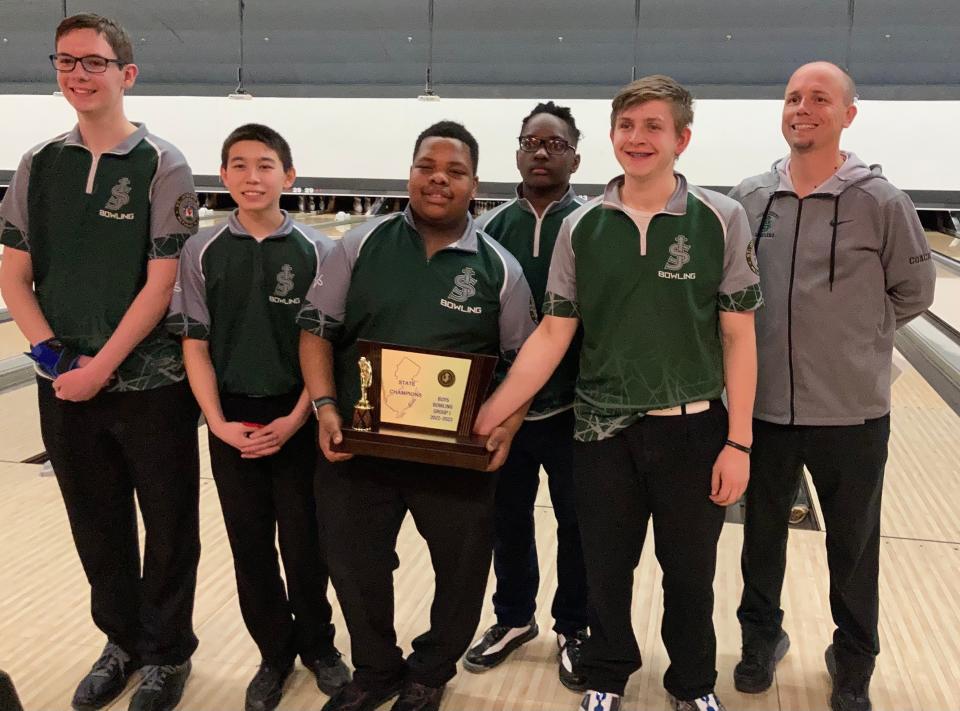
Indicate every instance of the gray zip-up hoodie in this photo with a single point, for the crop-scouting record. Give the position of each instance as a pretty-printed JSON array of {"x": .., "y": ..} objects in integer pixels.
[{"x": 840, "y": 271}]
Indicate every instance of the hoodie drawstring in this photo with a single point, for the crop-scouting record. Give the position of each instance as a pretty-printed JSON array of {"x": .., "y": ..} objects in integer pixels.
[{"x": 833, "y": 239}]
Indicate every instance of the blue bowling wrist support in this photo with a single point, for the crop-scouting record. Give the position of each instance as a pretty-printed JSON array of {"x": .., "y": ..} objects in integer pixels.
[{"x": 52, "y": 357}]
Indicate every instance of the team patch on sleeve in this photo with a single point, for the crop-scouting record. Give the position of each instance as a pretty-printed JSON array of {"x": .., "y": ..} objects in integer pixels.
[
  {"x": 752, "y": 258},
  {"x": 187, "y": 210}
]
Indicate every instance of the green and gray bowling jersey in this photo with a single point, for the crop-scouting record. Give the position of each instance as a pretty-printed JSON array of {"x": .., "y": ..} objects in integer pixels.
[
  {"x": 650, "y": 304},
  {"x": 91, "y": 225},
  {"x": 531, "y": 238},
  {"x": 379, "y": 285},
  {"x": 243, "y": 296}
]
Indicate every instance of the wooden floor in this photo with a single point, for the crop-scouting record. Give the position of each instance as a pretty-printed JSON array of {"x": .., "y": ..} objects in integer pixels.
[{"x": 47, "y": 641}]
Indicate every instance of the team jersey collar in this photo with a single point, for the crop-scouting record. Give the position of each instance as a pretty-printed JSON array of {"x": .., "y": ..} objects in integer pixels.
[
  {"x": 560, "y": 204},
  {"x": 121, "y": 149},
  {"x": 676, "y": 205},
  {"x": 233, "y": 222},
  {"x": 467, "y": 242}
]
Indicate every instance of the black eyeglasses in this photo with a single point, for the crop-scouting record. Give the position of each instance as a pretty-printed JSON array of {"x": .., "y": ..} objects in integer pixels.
[
  {"x": 554, "y": 146},
  {"x": 93, "y": 63}
]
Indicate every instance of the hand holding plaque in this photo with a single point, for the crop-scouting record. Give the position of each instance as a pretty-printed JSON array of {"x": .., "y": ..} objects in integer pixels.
[{"x": 421, "y": 405}]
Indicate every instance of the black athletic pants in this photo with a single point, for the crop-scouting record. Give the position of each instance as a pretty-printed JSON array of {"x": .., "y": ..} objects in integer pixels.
[
  {"x": 547, "y": 442},
  {"x": 259, "y": 498},
  {"x": 103, "y": 451},
  {"x": 659, "y": 467},
  {"x": 364, "y": 502},
  {"x": 846, "y": 464}
]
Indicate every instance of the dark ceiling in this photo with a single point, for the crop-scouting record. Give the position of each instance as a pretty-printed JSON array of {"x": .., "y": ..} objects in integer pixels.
[{"x": 727, "y": 48}]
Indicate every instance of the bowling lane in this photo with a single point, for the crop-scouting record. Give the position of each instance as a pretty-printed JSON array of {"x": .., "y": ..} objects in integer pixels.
[
  {"x": 333, "y": 226},
  {"x": 946, "y": 303},
  {"x": 944, "y": 244}
]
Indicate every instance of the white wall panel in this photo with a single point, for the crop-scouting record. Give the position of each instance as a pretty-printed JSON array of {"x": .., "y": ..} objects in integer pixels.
[{"x": 916, "y": 142}]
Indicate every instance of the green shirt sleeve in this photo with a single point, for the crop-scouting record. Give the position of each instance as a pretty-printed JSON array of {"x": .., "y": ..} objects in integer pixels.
[{"x": 14, "y": 225}]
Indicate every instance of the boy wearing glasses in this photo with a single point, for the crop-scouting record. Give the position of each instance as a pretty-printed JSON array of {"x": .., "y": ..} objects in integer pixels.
[
  {"x": 92, "y": 225},
  {"x": 662, "y": 275},
  {"x": 528, "y": 227}
]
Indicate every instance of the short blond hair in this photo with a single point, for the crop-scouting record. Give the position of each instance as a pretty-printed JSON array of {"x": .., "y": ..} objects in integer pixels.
[{"x": 652, "y": 88}]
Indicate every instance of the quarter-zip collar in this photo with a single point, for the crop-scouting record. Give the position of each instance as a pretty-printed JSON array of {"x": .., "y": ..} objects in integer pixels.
[
  {"x": 568, "y": 197},
  {"x": 237, "y": 228},
  {"x": 467, "y": 242},
  {"x": 524, "y": 204},
  {"x": 676, "y": 204},
  {"x": 121, "y": 149},
  {"x": 74, "y": 138}
]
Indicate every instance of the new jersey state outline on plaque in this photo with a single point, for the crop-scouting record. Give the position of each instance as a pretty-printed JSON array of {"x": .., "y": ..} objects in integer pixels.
[{"x": 421, "y": 389}]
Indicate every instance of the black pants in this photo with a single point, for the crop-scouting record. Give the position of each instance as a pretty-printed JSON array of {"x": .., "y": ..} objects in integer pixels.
[
  {"x": 259, "y": 498},
  {"x": 659, "y": 467},
  {"x": 103, "y": 451},
  {"x": 364, "y": 502},
  {"x": 547, "y": 442},
  {"x": 847, "y": 465}
]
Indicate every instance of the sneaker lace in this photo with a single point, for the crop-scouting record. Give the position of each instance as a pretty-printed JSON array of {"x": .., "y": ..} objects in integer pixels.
[
  {"x": 497, "y": 632},
  {"x": 155, "y": 675},
  {"x": 112, "y": 658}
]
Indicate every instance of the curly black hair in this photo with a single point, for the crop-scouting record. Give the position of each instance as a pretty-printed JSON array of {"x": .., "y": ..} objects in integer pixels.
[{"x": 561, "y": 112}]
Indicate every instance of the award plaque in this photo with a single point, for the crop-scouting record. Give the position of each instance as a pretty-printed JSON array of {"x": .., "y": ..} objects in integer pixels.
[{"x": 419, "y": 405}]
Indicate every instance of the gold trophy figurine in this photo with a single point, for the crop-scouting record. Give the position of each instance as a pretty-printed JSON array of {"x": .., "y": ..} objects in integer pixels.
[{"x": 363, "y": 410}]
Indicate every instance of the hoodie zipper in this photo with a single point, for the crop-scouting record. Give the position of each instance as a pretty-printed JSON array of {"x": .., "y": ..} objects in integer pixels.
[{"x": 793, "y": 270}]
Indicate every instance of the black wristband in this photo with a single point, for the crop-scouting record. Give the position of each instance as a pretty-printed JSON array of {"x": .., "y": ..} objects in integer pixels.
[
  {"x": 321, "y": 401},
  {"x": 738, "y": 446}
]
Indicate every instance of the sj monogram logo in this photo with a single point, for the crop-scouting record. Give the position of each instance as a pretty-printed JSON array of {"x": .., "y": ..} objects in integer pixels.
[
  {"x": 284, "y": 287},
  {"x": 464, "y": 284},
  {"x": 464, "y": 287},
  {"x": 678, "y": 259},
  {"x": 119, "y": 197}
]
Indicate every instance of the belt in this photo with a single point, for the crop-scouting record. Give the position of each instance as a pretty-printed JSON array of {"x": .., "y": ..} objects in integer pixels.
[{"x": 689, "y": 408}]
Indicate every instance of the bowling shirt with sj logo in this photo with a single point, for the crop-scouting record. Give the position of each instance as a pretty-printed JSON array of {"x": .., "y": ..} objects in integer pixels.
[
  {"x": 243, "y": 296},
  {"x": 90, "y": 226},
  {"x": 531, "y": 238},
  {"x": 649, "y": 301},
  {"x": 379, "y": 285}
]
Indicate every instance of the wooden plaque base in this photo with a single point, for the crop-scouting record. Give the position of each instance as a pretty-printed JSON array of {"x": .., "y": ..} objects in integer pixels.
[
  {"x": 455, "y": 451},
  {"x": 417, "y": 443}
]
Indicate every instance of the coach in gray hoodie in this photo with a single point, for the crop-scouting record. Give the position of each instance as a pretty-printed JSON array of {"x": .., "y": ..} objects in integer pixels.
[{"x": 843, "y": 262}]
